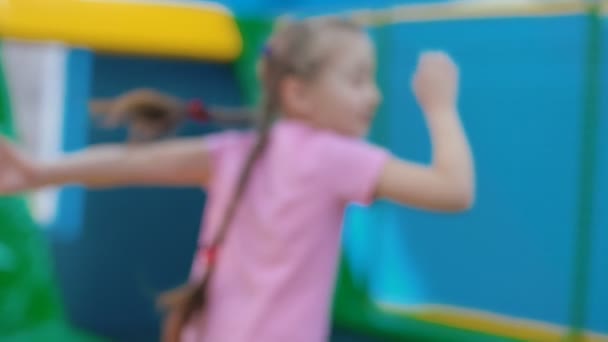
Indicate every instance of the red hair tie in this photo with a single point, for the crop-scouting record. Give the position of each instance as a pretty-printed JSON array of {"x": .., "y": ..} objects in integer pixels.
[
  {"x": 208, "y": 255},
  {"x": 197, "y": 111}
]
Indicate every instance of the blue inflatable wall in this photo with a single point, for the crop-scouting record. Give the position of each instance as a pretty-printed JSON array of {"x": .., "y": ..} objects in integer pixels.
[{"x": 522, "y": 104}]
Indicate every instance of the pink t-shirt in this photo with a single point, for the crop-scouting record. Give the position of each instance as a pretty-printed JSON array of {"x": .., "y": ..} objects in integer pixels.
[{"x": 275, "y": 272}]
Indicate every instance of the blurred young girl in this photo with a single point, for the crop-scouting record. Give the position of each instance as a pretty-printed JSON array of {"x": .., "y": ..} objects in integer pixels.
[{"x": 268, "y": 253}]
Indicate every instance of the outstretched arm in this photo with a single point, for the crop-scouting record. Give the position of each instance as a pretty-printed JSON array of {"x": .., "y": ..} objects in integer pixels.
[
  {"x": 178, "y": 162},
  {"x": 448, "y": 184}
]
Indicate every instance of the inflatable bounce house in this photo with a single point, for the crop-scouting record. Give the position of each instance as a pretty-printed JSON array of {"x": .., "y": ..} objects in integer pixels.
[{"x": 528, "y": 263}]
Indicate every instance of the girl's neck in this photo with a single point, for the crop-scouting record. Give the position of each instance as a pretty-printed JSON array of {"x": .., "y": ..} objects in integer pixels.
[{"x": 301, "y": 121}]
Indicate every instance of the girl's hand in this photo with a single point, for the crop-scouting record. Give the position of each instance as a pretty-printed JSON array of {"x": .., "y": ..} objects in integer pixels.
[
  {"x": 148, "y": 113},
  {"x": 435, "y": 83},
  {"x": 17, "y": 173}
]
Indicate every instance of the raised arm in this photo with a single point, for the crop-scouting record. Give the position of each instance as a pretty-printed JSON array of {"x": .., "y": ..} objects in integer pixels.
[
  {"x": 178, "y": 162},
  {"x": 448, "y": 183}
]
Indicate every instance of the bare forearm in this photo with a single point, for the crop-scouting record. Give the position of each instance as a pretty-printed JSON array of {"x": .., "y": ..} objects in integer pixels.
[
  {"x": 452, "y": 156},
  {"x": 105, "y": 165},
  {"x": 181, "y": 162},
  {"x": 448, "y": 184}
]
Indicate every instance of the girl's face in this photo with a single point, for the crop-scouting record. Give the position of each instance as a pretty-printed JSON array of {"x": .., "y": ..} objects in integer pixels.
[{"x": 344, "y": 95}]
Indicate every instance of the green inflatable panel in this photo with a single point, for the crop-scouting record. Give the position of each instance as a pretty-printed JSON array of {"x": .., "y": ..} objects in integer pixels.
[
  {"x": 255, "y": 31},
  {"x": 6, "y": 123},
  {"x": 30, "y": 309}
]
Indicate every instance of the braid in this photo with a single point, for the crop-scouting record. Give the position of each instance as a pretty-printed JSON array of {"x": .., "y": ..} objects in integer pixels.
[
  {"x": 182, "y": 303},
  {"x": 268, "y": 114}
]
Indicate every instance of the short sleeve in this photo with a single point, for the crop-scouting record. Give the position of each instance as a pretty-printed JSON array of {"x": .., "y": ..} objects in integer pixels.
[
  {"x": 216, "y": 142},
  {"x": 352, "y": 168},
  {"x": 218, "y": 145}
]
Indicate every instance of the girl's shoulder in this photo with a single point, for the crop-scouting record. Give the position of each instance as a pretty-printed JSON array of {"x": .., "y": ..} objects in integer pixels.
[
  {"x": 230, "y": 137},
  {"x": 226, "y": 142}
]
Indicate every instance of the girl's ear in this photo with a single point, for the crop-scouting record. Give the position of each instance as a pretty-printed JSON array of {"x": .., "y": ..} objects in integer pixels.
[{"x": 294, "y": 95}]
